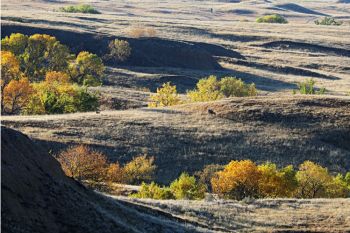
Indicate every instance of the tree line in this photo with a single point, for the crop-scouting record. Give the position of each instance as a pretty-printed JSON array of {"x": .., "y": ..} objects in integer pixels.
[{"x": 235, "y": 180}]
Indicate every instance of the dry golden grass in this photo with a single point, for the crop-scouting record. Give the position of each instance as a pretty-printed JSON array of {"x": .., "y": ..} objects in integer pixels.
[
  {"x": 279, "y": 129},
  {"x": 273, "y": 69},
  {"x": 264, "y": 215}
]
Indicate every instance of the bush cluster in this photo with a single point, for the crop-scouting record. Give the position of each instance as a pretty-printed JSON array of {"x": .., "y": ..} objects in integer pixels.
[
  {"x": 86, "y": 9},
  {"x": 328, "y": 21},
  {"x": 39, "y": 76},
  {"x": 185, "y": 187},
  {"x": 83, "y": 163},
  {"x": 120, "y": 50},
  {"x": 240, "y": 179},
  {"x": 275, "y": 18},
  {"x": 307, "y": 87},
  {"x": 207, "y": 89}
]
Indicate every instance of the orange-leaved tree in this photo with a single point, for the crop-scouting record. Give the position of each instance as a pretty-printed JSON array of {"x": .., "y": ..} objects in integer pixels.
[
  {"x": 115, "y": 173},
  {"x": 238, "y": 180},
  {"x": 10, "y": 70},
  {"x": 83, "y": 163},
  {"x": 59, "y": 77},
  {"x": 16, "y": 95}
]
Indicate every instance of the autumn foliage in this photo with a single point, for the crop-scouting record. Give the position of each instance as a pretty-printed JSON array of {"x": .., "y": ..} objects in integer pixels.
[
  {"x": 140, "y": 169},
  {"x": 165, "y": 96},
  {"x": 82, "y": 163},
  {"x": 38, "y": 75},
  {"x": 240, "y": 179}
]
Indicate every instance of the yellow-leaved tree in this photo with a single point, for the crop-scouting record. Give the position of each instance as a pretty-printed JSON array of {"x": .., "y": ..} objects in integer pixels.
[
  {"x": 10, "y": 70},
  {"x": 139, "y": 169},
  {"x": 207, "y": 89},
  {"x": 276, "y": 183},
  {"x": 313, "y": 180},
  {"x": 165, "y": 96}
]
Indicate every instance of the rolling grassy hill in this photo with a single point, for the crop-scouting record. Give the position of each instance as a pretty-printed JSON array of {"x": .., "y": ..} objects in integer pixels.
[{"x": 284, "y": 130}]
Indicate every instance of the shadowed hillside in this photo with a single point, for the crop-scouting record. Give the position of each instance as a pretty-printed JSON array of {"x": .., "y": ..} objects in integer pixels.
[
  {"x": 37, "y": 197},
  {"x": 284, "y": 130}
]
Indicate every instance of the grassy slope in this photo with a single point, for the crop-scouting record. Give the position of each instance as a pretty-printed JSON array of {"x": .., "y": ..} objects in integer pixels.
[
  {"x": 266, "y": 215},
  {"x": 285, "y": 129}
]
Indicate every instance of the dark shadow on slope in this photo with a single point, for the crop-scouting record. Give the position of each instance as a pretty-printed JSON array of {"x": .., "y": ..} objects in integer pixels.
[
  {"x": 285, "y": 69},
  {"x": 307, "y": 47},
  {"x": 148, "y": 52},
  {"x": 299, "y": 9},
  {"x": 242, "y": 12}
]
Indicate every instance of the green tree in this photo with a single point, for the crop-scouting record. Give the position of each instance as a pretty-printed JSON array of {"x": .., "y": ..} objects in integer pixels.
[
  {"x": 42, "y": 54},
  {"x": 338, "y": 187},
  {"x": 210, "y": 89},
  {"x": 165, "y": 96},
  {"x": 88, "y": 69},
  {"x": 119, "y": 49},
  {"x": 313, "y": 180},
  {"x": 57, "y": 95},
  {"x": 328, "y": 21},
  {"x": 275, "y": 18},
  {"x": 186, "y": 187}
]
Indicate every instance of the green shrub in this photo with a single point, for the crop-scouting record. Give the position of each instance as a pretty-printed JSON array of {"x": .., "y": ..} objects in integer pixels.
[
  {"x": 87, "y": 9},
  {"x": 87, "y": 69},
  {"x": 275, "y": 18},
  {"x": 58, "y": 98},
  {"x": 186, "y": 187},
  {"x": 153, "y": 191},
  {"x": 328, "y": 21},
  {"x": 210, "y": 89},
  {"x": 307, "y": 87},
  {"x": 119, "y": 49}
]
